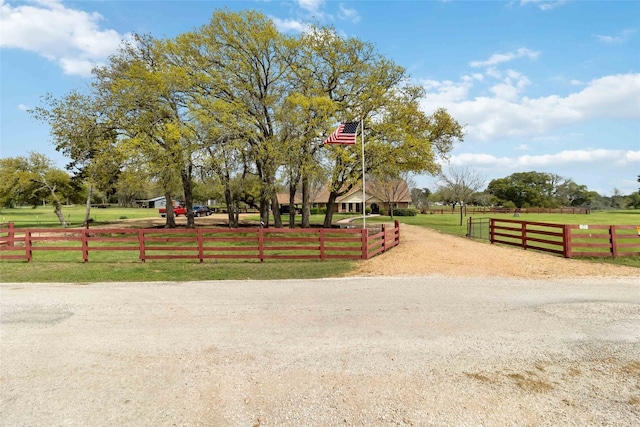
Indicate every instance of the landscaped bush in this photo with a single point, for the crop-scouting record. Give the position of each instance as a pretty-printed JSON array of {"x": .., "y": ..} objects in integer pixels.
[
  {"x": 323, "y": 211},
  {"x": 314, "y": 211},
  {"x": 405, "y": 212}
]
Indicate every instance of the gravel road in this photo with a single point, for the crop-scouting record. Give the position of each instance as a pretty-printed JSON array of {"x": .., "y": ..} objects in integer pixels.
[{"x": 427, "y": 350}]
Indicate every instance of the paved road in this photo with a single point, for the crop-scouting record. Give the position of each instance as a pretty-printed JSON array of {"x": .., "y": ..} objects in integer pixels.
[{"x": 360, "y": 351}]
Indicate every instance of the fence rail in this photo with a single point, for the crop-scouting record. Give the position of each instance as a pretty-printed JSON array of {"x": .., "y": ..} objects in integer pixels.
[
  {"x": 202, "y": 243},
  {"x": 604, "y": 240},
  {"x": 568, "y": 240}
]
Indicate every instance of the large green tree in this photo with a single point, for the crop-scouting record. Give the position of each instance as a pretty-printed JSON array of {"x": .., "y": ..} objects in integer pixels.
[
  {"x": 82, "y": 131},
  {"x": 252, "y": 56},
  {"x": 239, "y": 101},
  {"x": 35, "y": 180},
  {"x": 539, "y": 189},
  {"x": 147, "y": 95}
]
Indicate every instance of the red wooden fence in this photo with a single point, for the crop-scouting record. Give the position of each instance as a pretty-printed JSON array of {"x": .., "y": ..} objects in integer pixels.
[
  {"x": 603, "y": 240},
  {"x": 568, "y": 240},
  {"x": 203, "y": 243}
]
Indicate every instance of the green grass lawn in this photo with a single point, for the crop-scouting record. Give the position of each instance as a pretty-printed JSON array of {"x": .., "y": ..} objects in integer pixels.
[
  {"x": 178, "y": 270},
  {"x": 43, "y": 216}
]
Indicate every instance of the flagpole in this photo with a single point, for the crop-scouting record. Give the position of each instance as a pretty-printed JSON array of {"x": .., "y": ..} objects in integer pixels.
[{"x": 364, "y": 197}]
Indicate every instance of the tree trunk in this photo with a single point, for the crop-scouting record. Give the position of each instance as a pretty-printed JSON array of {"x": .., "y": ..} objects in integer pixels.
[
  {"x": 264, "y": 194},
  {"x": 187, "y": 186},
  {"x": 87, "y": 212},
  {"x": 231, "y": 206},
  {"x": 275, "y": 208},
  {"x": 292, "y": 208},
  {"x": 58, "y": 212},
  {"x": 264, "y": 212},
  {"x": 306, "y": 208},
  {"x": 328, "y": 217},
  {"x": 236, "y": 219},
  {"x": 171, "y": 219}
]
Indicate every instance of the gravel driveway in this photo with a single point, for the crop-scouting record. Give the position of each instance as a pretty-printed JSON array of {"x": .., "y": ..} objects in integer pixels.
[{"x": 426, "y": 351}]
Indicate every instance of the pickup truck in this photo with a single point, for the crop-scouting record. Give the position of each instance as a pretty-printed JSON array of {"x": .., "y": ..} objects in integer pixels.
[{"x": 177, "y": 211}]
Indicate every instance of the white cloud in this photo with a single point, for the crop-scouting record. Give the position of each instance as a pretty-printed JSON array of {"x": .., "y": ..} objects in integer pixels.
[
  {"x": 312, "y": 6},
  {"x": 346, "y": 13},
  {"x": 447, "y": 92},
  {"x": 507, "y": 114},
  {"x": 499, "y": 58},
  {"x": 511, "y": 86},
  {"x": 23, "y": 107},
  {"x": 70, "y": 37},
  {"x": 620, "y": 158},
  {"x": 621, "y": 37},
  {"x": 544, "y": 4},
  {"x": 286, "y": 25}
]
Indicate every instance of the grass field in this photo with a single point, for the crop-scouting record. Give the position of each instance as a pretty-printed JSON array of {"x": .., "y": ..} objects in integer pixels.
[
  {"x": 114, "y": 269},
  {"x": 43, "y": 216}
]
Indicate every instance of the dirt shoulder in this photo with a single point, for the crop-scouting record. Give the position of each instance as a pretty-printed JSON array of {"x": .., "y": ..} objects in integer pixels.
[{"x": 423, "y": 252}]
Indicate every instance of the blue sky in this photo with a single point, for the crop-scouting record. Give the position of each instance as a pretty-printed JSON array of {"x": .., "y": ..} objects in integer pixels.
[{"x": 550, "y": 86}]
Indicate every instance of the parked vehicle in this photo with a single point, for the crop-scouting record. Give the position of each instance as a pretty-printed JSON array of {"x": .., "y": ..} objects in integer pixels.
[
  {"x": 177, "y": 211},
  {"x": 201, "y": 211}
]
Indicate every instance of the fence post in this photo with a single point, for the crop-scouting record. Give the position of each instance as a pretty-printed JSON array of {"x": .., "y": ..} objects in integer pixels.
[
  {"x": 492, "y": 231},
  {"x": 365, "y": 243},
  {"x": 566, "y": 241},
  {"x": 322, "y": 256},
  {"x": 384, "y": 238},
  {"x": 11, "y": 234},
  {"x": 261, "y": 244},
  {"x": 523, "y": 232},
  {"x": 85, "y": 245},
  {"x": 613, "y": 239},
  {"x": 200, "y": 244},
  {"x": 27, "y": 245},
  {"x": 469, "y": 226},
  {"x": 396, "y": 232},
  {"x": 141, "y": 244}
]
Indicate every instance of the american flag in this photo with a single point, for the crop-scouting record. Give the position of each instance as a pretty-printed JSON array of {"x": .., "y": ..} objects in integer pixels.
[{"x": 345, "y": 134}]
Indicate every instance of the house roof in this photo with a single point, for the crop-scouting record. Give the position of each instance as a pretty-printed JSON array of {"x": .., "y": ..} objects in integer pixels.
[
  {"x": 283, "y": 199},
  {"x": 155, "y": 199},
  {"x": 373, "y": 190}
]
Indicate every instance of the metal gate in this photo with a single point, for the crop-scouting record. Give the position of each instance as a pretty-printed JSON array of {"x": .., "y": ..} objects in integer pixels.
[{"x": 479, "y": 228}]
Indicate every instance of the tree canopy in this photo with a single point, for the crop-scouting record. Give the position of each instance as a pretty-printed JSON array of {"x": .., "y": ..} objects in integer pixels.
[
  {"x": 237, "y": 102},
  {"x": 538, "y": 189}
]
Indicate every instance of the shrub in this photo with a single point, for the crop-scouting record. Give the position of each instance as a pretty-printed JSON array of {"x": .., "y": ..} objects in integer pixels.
[
  {"x": 314, "y": 211},
  {"x": 405, "y": 212},
  {"x": 322, "y": 211},
  {"x": 367, "y": 211}
]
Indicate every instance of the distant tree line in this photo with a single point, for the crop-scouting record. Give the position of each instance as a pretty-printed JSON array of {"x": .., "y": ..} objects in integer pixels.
[{"x": 519, "y": 190}]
